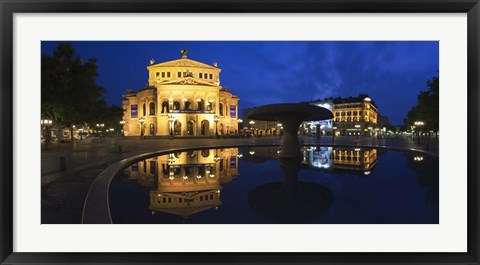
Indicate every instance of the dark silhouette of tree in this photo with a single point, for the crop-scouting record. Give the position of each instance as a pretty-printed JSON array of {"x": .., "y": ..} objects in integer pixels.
[
  {"x": 70, "y": 94},
  {"x": 427, "y": 108}
]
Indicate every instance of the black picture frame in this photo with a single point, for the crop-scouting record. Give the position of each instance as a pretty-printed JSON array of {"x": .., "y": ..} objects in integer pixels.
[{"x": 10, "y": 7}]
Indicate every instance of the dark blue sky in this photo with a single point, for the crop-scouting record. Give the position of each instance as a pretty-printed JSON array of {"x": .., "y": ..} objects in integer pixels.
[{"x": 392, "y": 73}]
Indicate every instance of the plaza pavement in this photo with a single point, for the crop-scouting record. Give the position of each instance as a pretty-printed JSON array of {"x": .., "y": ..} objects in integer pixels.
[{"x": 68, "y": 169}]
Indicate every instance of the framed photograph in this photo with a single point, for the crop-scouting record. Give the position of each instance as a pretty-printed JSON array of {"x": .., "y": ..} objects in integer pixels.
[{"x": 263, "y": 132}]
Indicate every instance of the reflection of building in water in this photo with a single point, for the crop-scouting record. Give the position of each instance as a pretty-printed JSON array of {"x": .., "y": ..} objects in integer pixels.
[
  {"x": 318, "y": 156},
  {"x": 340, "y": 158},
  {"x": 185, "y": 183},
  {"x": 359, "y": 159}
]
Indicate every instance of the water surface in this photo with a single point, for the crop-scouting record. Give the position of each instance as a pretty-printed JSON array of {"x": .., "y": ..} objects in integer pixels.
[{"x": 340, "y": 185}]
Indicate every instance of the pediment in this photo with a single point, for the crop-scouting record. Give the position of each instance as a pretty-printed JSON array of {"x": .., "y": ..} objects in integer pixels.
[
  {"x": 184, "y": 63},
  {"x": 189, "y": 81}
]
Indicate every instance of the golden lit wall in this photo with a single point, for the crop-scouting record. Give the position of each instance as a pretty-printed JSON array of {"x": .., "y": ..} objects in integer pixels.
[{"x": 183, "y": 97}]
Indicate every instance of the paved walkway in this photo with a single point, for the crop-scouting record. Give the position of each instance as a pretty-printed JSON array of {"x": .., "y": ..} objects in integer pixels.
[{"x": 68, "y": 169}]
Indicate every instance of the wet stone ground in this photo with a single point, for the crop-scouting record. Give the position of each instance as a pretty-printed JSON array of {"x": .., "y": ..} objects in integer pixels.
[{"x": 63, "y": 199}]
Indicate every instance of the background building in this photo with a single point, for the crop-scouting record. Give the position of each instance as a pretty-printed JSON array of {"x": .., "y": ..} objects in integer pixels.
[
  {"x": 256, "y": 127},
  {"x": 183, "y": 98},
  {"x": 352, "y": 116}
]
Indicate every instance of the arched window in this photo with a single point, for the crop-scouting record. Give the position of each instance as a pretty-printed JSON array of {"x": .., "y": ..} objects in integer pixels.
[
  {"x": 205, "y": 126},
  {"x": 152, "y": 108},
  {"x": 165, "y": 107},
  {"x": 153, "y": 167},
  {"x": 200, "y": 104},
  {"x": 220, "y": 108},
  {"x": 144, "y": 110},
  {"x": 178, "y": 128},
  {"x": 176, "y": 105},
  {"x": 205, "y": 152},
  {"x": 152, "y": 129},
  {"x": 188, "y": 105},
  {"x": 190, "y": 128}
]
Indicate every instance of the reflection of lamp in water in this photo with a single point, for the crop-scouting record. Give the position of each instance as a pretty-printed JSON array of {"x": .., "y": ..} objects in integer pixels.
[
  {"x": 366, "y": 173},
  {"x": 252, "y": 152},
  {"x": 418, "y": 158},
  {"x": 239, "y": 155},
  {"x": 290, "y": 201}
]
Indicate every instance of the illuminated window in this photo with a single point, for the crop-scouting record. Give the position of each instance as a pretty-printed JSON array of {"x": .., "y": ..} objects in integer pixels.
[{"x": 152, "y": 108}]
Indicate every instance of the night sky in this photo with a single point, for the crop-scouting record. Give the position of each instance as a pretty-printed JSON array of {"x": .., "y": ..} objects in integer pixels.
[{"x": 392, "y": 73}]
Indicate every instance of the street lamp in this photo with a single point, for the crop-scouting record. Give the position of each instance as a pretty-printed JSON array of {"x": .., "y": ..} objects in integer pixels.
[
  {"x": 101, "y": 125},
  {"x": 216, "y": 119},
  {"x": 238, "y": 127},
  {"x": 418, "y": 124},
  {"x": 141, "y": 120},
  {"x": 358, "y": 128},
  {"x": 251, "y": 125},
  {"x": 171, "y": 120},
  {"x": 333, "y": 133},
  {"x": 122, "y": 122},
  {"x": 46, "y": 123}
]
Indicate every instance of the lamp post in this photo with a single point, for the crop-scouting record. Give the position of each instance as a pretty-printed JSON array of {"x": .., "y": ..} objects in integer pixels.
[
  {"x": 122, "y": 122},
  {"x": 240, "y": 121},
  {"x": 141, "y": 120},
  {"x": 251, "y": 125},
  {"x": 46, "y": 123},
  {"x": 100, "y": 126},
  {"x": 358, "y": 128},
  {"x": 216, "y": 119},
  {"x": 333, "y": 133},
  {"x": 171, "y": 120},
  {"x": 418, "y": 124}
]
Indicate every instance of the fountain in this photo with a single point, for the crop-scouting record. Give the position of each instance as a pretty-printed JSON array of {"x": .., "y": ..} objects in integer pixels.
[{"x": 291, "y": 115}]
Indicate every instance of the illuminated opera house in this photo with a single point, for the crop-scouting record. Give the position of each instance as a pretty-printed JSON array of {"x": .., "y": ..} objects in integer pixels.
[
  {"x": 186, "y": 183},
  {"x": 183, "y": 98}
]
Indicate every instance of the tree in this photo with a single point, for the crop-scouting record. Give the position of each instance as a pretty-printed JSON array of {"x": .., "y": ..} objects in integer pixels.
[
  {"x": 70, "y": 95},
  {"x": 427, "y": 108}
]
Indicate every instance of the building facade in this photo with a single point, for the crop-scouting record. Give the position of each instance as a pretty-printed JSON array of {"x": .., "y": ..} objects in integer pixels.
[
  {"x": 183, "y": 98},
  {"x": 353, "y": 116}
]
